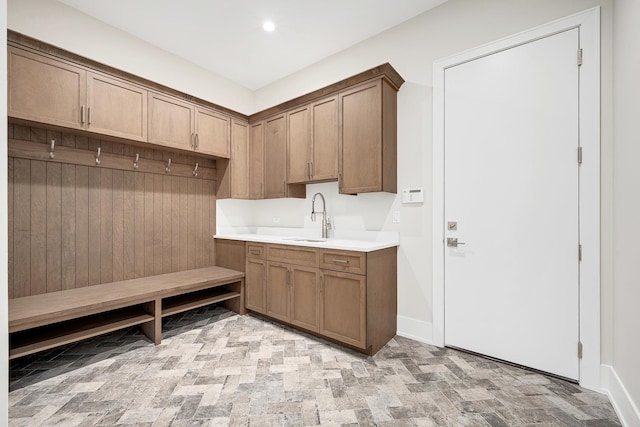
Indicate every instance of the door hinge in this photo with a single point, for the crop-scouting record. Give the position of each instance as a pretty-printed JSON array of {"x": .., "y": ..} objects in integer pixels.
[
  {"x": 579, "y": 155},
  {"x": 579, "y": 252},
  {"x": 579, "y": 56},
  {"x": 579, "y": 349}
]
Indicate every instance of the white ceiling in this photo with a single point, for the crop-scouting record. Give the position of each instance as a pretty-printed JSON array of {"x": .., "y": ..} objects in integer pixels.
[{"x": 226, "y": 36}]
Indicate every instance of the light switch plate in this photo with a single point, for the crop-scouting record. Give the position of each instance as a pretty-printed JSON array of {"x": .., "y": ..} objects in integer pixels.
[{"x": 395, "y": 217}]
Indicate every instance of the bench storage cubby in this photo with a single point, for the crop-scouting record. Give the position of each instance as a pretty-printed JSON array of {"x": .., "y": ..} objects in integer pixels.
[{"x": 44, "y": 321}]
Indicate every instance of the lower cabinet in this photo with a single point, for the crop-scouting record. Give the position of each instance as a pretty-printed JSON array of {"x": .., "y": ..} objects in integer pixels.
[
  {"x": 255, "y": 281},
  {"x": 304, "y": 311},
  {"x": 292, "y": 294},
  {"x": 278, "y": 280},
  {"x": 345, "y": 296},
  {"x": 343, "y": 309}
]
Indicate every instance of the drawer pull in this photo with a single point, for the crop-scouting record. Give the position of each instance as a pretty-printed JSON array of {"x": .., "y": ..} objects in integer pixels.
[
  {"x": 341, "y": 261},
  {"x": 254, "y": 252}
]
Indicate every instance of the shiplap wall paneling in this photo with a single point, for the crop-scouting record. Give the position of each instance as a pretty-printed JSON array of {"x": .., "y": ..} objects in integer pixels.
[{"x": 75, "y": 225}]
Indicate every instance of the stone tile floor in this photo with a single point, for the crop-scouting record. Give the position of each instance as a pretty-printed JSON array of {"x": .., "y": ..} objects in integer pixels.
[{"x": 217, "y": 368}]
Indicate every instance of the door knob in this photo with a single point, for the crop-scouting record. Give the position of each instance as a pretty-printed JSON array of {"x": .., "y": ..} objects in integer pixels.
[{"x": 453, "y": 242}]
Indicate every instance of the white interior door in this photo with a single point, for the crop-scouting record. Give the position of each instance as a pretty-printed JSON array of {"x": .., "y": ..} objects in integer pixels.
[{"x": 511, "y": 187}]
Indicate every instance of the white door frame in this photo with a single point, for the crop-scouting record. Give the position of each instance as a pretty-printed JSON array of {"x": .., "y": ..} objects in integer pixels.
[{"x": 589, "y": 191}]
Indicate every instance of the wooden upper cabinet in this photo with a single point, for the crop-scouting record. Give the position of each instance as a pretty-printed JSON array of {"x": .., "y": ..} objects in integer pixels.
[
  {"x": 212, "y": 133},
  {"x": 239, "y": 162},
  {"x": 313, "y": 142},
  {"x": 45, "y": 90},
  {"x": 368, "y": 138},
  {"x": 256, "y": 161},
  {"x": 233, "y": 173},
  {"x": 299, "y": 145},
  {"x": 58, "y": 93},
  {"x": 275, "y": 152},
  {"x": 116, "y": 108},
  {"x": 171, "y": 122},
  {"x": 325, "y": 132},
  {"x": 180, "y": 124}
]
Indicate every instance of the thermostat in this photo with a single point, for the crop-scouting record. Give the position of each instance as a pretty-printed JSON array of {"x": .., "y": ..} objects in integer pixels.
[{"x": 412, "y": 195}]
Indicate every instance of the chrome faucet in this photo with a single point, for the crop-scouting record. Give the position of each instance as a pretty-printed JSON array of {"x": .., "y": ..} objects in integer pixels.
[{"x": 326, "y": 225}]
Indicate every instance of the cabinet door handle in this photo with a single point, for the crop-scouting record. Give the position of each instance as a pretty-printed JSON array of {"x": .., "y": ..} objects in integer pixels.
[
  {"x": 288, "y": 277},
  {"x": 197, "y": 141},
  {"x": 340, "y": 261},
  {"x": 89, "y": 114},
  {"x": 82, "y": 117},
  {"x": 321, "y": 282},
  {"x": 193, "y": 144},
  {"x": 310, "y": 169},
  {"x": 306, "y": 169}
]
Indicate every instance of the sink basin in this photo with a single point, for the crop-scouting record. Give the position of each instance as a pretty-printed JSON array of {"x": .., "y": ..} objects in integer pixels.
[{"x": 302, "y": 239}]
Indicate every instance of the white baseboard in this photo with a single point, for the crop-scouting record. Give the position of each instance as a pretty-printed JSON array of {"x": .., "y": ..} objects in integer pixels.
[
  {"x": 418, "y": 330},
  {"x": 613, "y": 387}
]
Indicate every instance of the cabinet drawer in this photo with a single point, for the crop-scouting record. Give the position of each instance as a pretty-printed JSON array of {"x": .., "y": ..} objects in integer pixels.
[
  {"x": 255, "y": 250},
  {"x": 297, "y": 255},
  {"x": 347, "y": 261}
]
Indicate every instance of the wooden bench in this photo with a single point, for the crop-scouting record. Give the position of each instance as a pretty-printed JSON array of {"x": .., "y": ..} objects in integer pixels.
[{"x": 41, "y": 322}]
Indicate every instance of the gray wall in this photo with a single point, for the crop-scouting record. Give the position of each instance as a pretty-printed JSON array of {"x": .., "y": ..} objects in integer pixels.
[{"x": 626, "y": 202}]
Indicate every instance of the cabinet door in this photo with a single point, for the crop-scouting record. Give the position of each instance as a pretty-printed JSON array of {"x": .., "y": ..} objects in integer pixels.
[
  {"x": 325, "y": 132},
  {"x": 304, "y": 297},
  {"x": 278, "y": 281},
  {"x": 170, "y": 122},
  {"x": 45, "y": 90},
  {"x": 361, "y": 139},
  {"x": 239, "y": 160},
  {"x": 255, "y": 281},
  {"x": 212, "y": 133},
  {"x": 343, "y": 303},
  {"x": 275, "y": 152},
  {"x": 116, "y": 108},
  {"x": 299, "y": 145},
  {"x": 256, "y": 156}
]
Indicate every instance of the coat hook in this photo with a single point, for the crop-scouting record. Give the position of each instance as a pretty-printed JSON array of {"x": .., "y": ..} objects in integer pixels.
[
  {"x": 168, "y": 168},
  {"x": 98, "y": 157},
  {"x": 135, "y": 163},
  {"x": 53, "y": 147},
  {"x": 195, "y": 171}
]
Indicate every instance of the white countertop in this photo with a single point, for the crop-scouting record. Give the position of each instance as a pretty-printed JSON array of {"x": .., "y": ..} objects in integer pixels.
[{"x": 361, "y": 240}]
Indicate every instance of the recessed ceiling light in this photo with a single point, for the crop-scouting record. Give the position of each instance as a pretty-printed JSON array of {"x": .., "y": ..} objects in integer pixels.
[{"x": 269, "y": 26}]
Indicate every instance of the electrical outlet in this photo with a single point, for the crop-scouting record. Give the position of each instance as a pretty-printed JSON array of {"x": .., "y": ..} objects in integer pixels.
[
  {"x": 395, "y": 217},
  {"x": 276, "y": 219}
]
